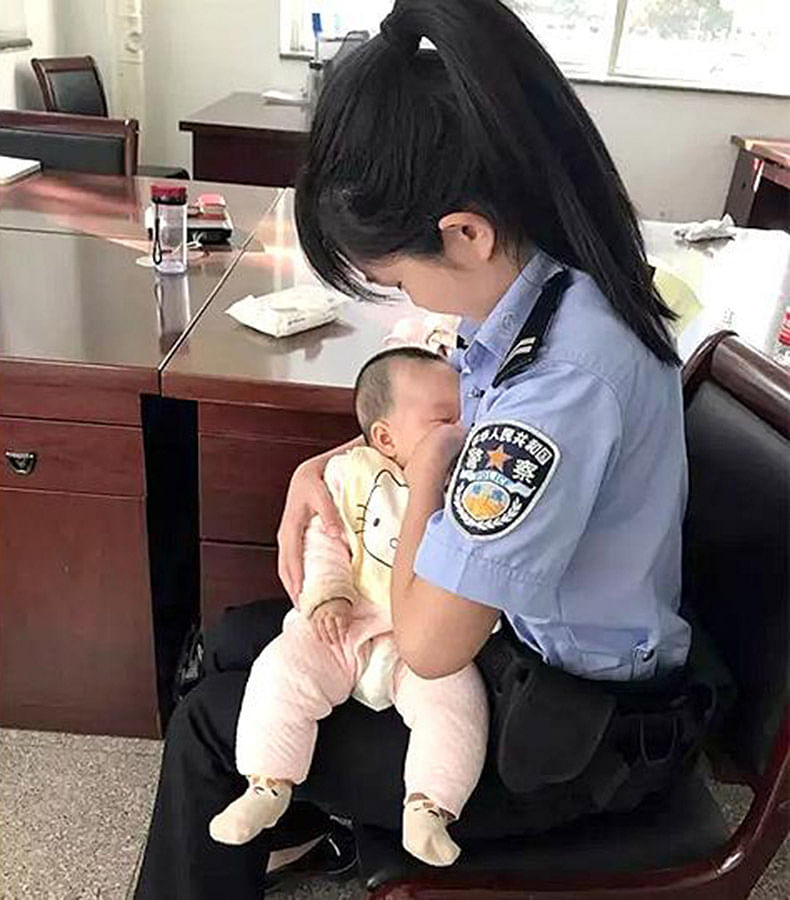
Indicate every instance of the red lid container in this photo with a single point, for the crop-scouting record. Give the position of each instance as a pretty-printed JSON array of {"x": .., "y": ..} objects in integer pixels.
[
  {"x": 784, "y": 330},
  {"x": 171, "y": 194}
]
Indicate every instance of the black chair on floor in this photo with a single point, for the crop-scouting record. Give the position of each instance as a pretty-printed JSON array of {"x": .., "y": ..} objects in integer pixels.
[
  {"x": 73, "y": 85},
  {"x": 737, "y": 534},
  {"x": 71, "y": 143}
]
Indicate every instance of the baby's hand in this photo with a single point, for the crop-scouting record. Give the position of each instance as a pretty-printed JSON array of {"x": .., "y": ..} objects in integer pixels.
[
  {"x": 435, "y": 454},
  {"x": 331, "y": 620}
]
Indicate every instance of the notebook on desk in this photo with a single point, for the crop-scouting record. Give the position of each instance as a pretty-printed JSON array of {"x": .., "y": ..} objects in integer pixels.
[{"x": 13, "y": 168}]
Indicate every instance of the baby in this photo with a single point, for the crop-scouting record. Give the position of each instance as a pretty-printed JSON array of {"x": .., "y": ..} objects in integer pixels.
[{"x": 339, "y": 642}]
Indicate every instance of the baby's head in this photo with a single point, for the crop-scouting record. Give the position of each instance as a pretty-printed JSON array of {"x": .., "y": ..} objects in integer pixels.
[{"x": 400, "y": 395}]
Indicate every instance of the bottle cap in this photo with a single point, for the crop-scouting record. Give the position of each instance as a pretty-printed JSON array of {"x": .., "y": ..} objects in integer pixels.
[{"x": 172, "y": 194}]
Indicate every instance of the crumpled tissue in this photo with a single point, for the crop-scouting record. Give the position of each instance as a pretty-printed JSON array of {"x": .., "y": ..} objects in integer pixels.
[{"x": 707, "y": 230}]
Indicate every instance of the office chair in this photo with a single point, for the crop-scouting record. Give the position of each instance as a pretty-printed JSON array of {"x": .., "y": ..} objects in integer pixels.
[
  {"x": 736, "y": 535},
  {"x": 75, "y": 143},
  {"x": 73, "y": 84}
]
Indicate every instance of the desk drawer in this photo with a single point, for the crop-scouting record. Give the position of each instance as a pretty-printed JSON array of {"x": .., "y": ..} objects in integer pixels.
[
  {"x": 243, "y": 482},
  {"x": 305, "y": 426},
  {"x": 43, "y": 390},
  {"x": 233, "y": 575},
  {"x": 77, "y": 458},
  {"x": 76, "y": 648}
]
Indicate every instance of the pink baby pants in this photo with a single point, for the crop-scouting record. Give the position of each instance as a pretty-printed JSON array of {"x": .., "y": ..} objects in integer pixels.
[{"x": 298, "y": 679}]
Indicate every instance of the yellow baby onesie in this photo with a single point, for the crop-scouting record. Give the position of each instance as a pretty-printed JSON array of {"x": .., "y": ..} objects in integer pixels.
[{"x": 370, "y": 493}]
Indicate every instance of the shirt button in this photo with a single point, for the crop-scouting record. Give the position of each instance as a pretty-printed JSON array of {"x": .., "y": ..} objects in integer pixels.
[
  {"x": 508, "y": 321},
  {"x": 475, "y": 393}
]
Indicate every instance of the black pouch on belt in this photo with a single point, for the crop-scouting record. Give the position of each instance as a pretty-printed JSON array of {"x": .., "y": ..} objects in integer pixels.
[
  {"x": 616, "y": 741},
  {"x": 546, "y": 724}
]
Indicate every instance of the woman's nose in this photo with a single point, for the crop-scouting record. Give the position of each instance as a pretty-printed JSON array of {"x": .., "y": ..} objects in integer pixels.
[{"x": 394, "y": 543}]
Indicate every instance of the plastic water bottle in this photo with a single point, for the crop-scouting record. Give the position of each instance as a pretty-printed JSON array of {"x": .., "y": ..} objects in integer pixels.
[
  {"x": 169, "y": 248},
  {"x": 315, "y": 19},
  {"x": 782, "y": 347}
]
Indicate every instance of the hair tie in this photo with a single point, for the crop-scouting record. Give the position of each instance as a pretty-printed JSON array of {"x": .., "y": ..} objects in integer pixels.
[{"x": 397, "y": 36}]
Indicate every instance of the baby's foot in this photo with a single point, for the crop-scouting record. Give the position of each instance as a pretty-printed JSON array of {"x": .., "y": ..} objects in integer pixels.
[
  {"x": 259, "y": 807},
  {"x": 425, "y": 833}
]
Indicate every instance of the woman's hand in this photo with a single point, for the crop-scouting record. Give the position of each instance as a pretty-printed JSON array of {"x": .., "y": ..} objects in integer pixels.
[
  {"x": 433, "y": 456},
  {"x": 307, "y": 496}
]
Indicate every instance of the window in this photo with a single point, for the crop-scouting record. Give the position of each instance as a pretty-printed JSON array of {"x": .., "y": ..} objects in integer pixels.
[
  {"x": 725, "y": 44},
  {"x": 13, "y": 30},
  {"x": 338, "y": 17}
]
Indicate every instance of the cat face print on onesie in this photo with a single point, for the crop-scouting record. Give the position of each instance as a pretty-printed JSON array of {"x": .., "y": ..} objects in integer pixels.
[{"x": 382, "y": 516}]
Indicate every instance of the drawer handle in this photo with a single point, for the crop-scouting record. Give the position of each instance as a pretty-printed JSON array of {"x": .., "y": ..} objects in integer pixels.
[{"x": 21, "y": 463}]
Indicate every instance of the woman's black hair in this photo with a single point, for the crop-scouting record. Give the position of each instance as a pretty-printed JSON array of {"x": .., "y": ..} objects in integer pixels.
[{"x": 486, "y": 122}]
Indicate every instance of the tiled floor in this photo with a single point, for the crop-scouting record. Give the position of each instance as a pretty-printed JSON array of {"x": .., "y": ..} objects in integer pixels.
[{"x": 74, "y": 810}]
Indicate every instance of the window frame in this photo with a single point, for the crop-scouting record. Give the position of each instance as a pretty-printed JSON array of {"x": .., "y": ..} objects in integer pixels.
[
  {"x": 17, "y": 38},
  {"x": 610, "y": 76}
]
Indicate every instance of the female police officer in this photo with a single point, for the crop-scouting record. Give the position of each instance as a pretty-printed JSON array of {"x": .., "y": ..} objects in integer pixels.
[{"x": 471, "y": 176}]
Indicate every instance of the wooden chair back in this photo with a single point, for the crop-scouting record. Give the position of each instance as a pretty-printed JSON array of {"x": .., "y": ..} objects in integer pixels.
[
  {"x": 71, "y": 84},
  {"x": 69, "y": 142}
]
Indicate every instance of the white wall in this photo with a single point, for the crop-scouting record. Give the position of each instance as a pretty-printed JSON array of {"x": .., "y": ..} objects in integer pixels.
[
  {"x": 672, "y": 147},
  {"x": 86, "y": 27},
  {"x": 57, "y": 28},
  {"x": 196, "y": 53},
  {"x": 18, "y": 87}
]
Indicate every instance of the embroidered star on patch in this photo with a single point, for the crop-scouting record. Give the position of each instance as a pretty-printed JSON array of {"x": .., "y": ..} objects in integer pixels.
[{"x": 501, "y": 473}]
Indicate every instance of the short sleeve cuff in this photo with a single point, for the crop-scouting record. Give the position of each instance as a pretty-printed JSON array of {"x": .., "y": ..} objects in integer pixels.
[{"x": 459, "y": 571}]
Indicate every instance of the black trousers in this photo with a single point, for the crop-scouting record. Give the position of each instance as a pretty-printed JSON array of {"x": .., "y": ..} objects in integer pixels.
[{"x": 356, "y": 772}]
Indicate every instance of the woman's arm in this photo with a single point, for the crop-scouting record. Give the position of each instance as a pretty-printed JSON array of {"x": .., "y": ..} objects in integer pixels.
[
  {"x": 307, "y": 496},
  {"x": 437, "y": 632}
]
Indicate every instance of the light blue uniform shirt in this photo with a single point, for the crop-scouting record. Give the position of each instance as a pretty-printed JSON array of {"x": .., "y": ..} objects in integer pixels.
[{"x": 589, "y": 575}]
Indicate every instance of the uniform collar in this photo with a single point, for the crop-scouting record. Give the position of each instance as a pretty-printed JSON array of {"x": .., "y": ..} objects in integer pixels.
[{"x": 499, "y": 329}]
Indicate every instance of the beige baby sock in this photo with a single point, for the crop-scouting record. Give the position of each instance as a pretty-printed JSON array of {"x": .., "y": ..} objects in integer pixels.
[
  {"x": 425, "y": 833},
  {"x": 259, "y": 807}
]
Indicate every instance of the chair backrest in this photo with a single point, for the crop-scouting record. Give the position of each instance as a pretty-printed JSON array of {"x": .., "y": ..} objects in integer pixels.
[
  {"x": 71, "y": 84},
  {"x": 737, "y": 532},
  {"x": 76, "y": 143}
]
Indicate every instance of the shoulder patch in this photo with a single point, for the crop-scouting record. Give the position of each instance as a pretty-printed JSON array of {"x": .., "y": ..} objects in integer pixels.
[{"x": 500, "y": 475}]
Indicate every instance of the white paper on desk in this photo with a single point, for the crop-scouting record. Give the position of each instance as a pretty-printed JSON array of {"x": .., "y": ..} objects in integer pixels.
[
  {"x": 13, "y": 168},
  {"x": 287, "y": 312},
  {"x": 283, "y": 98}
]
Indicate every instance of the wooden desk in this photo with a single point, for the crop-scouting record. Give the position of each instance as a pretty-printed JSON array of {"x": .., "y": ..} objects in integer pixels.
[
  {"x": 264, "y": 405},
  {"x": 84, "y": 333},
  {"x": 111, "y": 206},
  {"x": 759, "y": 194},
  {"x": 243, "y": 138}
]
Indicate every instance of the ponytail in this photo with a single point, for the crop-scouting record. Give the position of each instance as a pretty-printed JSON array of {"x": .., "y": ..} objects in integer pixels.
[{"x": 485, "y": 122}]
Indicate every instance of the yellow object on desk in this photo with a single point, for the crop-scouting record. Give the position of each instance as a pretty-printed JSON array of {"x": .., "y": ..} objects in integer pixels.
[{"x": 676, "y": 293}]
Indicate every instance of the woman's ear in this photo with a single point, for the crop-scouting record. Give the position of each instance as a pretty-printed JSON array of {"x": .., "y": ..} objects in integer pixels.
[
  {"x": 381, "y": 438},
  {"x": 468, "y": 238}
]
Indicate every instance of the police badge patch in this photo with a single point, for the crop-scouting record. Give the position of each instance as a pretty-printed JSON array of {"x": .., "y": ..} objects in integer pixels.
[{"x": 500, "y": 475}]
